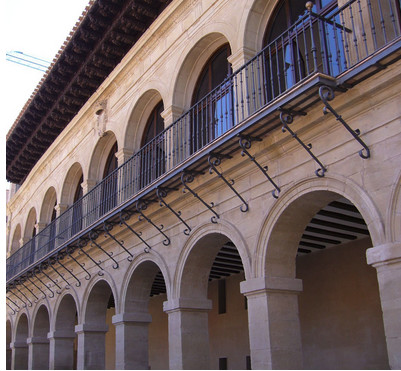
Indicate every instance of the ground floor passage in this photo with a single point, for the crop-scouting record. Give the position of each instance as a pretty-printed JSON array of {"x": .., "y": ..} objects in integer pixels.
[{"x": 328, "y": 317}]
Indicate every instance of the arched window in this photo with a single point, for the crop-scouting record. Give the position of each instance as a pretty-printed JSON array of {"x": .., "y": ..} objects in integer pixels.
[
  {"x": 289, "y": 53},
  {"x": 213, "y": 108},
  {"x": 77, "y": 208},
  {"x": 153, "y": 162},
  {"x": 109, "y": 183}
]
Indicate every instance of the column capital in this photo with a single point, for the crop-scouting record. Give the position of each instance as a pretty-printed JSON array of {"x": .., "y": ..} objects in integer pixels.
[
  {"x": 263, "y": 285},
  {"x": 126, "y": 318},
  {"x": 60, "y": 208},
  {"x": 240, "y": 57},
  {"x": 40, "y": 226},
  {"x": 61, "y": 334},
  {"x": 90, "y": 327},
  {"x": 37, "y": 340},
  {"x": 19, "y": 344},
  {"x": 87, "y": 185},
  {"x": 385, "y": 254},
  {"x": 170, "y": 114},
  {"x": 123, "y": 155},
  {"x": 187, "y": 304}
]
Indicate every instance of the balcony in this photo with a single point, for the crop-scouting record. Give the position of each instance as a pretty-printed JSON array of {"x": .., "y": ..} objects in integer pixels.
[{"x": 338, "y": 50}]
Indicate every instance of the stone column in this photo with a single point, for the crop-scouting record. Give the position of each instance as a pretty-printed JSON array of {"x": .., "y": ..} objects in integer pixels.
[
  {"x": 188, "y": 333},
  {"x": 126, "y": 175},
  {"x": 387, "y": 261},
  {"x": 132, "y": 340},
  {"x": 38, "y": 351},
  {"x": 61, "y": 352},
  {"x": 90, "y": 203},
  {"x": 91, "y": 346},
  {"x": 19, "y": 360},
  {"x": 62, "y": 224},
  {"x": 274, "y": 328},
  {"x": 176, "y": 138}
]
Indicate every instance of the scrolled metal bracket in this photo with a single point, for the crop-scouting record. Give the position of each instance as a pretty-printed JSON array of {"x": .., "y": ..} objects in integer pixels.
[
  {"x": 107, "y": 227},
  {"x": 326, "y": 94},
  {"x": 188, "y": 177},
  {"x": 38, "y": 270},
  {"x": 245, "y": 143},
  {"x": 14, "y": 303},
  {"x": 61, "y": 257},
  {"x": 31, "y": 275},
  {"x": 52, "y": 261},
  {"x": 70, "y": 251},
  {"x": 142, "y": 205},
  {"x": 286, "y": 118},
  {"x": 30, "y": 303},
  {"x": 93, "y": 235},
  {"x": 28, "y": 289},
  {"x": 214, "y": 160},
  {"x": 81, "y": 244},
  {"x": 161, "y": 194},
  {"x": 124, "y": 216}
]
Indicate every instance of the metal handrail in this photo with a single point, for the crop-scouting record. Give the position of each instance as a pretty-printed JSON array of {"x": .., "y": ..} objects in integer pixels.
[{"x": 312, "y": 44}]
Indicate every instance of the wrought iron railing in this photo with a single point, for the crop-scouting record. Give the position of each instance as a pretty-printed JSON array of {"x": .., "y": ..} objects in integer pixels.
[{"x": 330, "y": 44}]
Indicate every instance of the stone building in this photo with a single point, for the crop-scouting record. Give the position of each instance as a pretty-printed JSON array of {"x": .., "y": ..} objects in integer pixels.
[{"x": 210, "y": 184}]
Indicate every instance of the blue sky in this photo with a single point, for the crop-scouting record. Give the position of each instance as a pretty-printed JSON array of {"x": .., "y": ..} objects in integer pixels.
[{"x": 37, "y": 28}]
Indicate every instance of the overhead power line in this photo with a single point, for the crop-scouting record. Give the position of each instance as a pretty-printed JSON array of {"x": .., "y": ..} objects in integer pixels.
[{"x": 27, "y": 60}]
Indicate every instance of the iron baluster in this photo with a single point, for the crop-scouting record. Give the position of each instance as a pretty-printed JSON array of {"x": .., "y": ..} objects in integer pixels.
[
  {"x": 245, "y": 143},
  {"x": 107, "y": 227},
  {"x": 161, "y": 194},
  {"x": 142, "y": 205},
  {"x": 286, "y": 117},
  {"x": 70, "y": 251},
  {"x": 60, "y": 257},
  {"x": 93, "y": 235},
  {"x": 383, "y": 26},
  {"x": 214, "y": 161},
  {"x": 124, "y": 216},
  {"x": 363, "y": 27},
  {"x": 372, "y": 25},
  {"x": 326, "y": 94},
  {"x": 186, "y": 178}
]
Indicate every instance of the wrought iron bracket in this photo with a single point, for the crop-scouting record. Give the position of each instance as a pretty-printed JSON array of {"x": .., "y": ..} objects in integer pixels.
[
  {"x": 245, "y": 143},
  {"x": 30, "y": 303},
  {"x": 124, "y": 216},
  {"x": 107, "y": 227},
  {"x": 42, "y": 268},
  {"x": 81, "y": 244},
  {"x": 36, "y": 272},
  {"x": 14, "y": 303},
  {"x": 287, "y": 117},
  {"x": 214, "y": 160},
  {"x": 34, "y": 284},
  {"x": 70, "y": 251},
  {"x": 188, "y": 177},
  {"x": 59, "y": 258},
  {"x": 142, "y": 205},
  {"x": 93, "y": 235},
  {"x": 22, "y": 283},
  {"x": 161, "y": 194},
  {"x": 52, "y": 261},
  {"x": 326, "y": 94},
  {"x": 24, "y": 304}
]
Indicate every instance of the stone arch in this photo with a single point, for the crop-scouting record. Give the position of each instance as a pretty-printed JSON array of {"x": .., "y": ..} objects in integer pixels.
[
  {"x": 63, "y": 338},
  {"x": 39, "y": 342},
  {"x": 394, "y": 213},
  {"x": 30, "y": 223},
  {"x": 93, "y": 329},
  {"x": 70, "y": 184},
  {"x": 20, "y": 351},
  {"x": 272, "y": 260},
  {"x": 15, "y": 242},
  {"x": 99, "y": 156},
  {"x": 139, "y": 117},
  {"x": 192, "y": 64},
  {"x": 142, "y": 327},
  {"x": 48, "y": 204},
  {"x": 254, "y": 23},
  {"x": 223, "y": 231}
]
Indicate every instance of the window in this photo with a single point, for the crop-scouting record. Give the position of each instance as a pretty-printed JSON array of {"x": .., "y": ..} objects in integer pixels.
[
  {"x": 109, "y": 187},
  {"x": 153, "y": 153},
  {"x": 213, "y": 108}
]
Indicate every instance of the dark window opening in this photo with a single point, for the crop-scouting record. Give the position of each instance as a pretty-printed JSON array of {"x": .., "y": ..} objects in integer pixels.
[
  {"x": 223, "y": 363},
  {"x": 221, "y": 289}
]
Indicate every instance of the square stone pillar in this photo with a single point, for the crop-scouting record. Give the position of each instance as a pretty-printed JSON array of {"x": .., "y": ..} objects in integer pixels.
[
  {"x": 188, "y": 333},
  {"x": 387, "y": 261},
  {"x": 132, "y": 346},
  {"x": 274, "y": 328},
  {"x": 61, "y": 352},
  {"x": 91, "y": 346},
  {"x": 19, "y": 359},
  {"x": 38, "y": 350}
]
